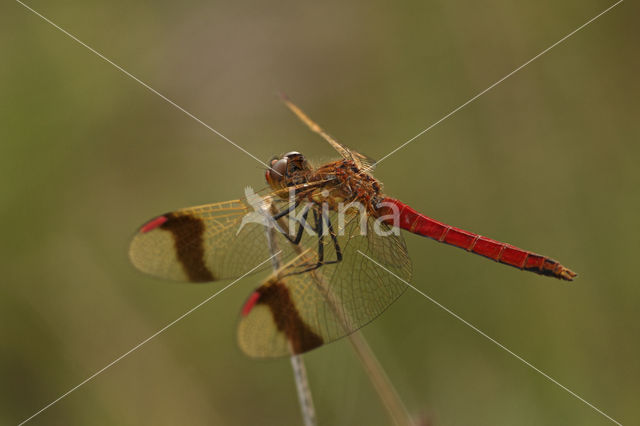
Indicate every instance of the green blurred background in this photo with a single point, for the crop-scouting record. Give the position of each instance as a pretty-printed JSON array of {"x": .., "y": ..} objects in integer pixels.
[{"x": 547, "y": 161}]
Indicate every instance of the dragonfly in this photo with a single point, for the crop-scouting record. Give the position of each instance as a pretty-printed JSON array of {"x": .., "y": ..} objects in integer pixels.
[{"x": 339, "y": 259}]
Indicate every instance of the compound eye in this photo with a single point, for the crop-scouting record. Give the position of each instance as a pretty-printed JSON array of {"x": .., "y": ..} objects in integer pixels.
[
  {"x": 275, "y": 175},
  {"x": 296, "y": 162}
]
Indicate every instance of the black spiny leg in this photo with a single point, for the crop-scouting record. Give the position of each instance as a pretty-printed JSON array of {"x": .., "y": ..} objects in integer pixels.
[
  {"x": 319, "y": 229},
  {"x": 285, "y": 212},
  {"x": 301, "y": 225},
  {"x": 332, "y": 233}
]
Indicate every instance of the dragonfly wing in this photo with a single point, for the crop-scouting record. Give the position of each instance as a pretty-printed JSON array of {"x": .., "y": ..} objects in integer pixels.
[
  {"x": 365, "y": 162},
  {"x": 295, "y": 312},
  {"x": 362, "y": 161},
  {"x": 205, "y": 243}
]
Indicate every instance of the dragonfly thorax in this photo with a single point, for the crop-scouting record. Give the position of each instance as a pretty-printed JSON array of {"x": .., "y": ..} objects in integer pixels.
[
  {"x": 335, "y": 183},
  {"x": 345, "y": 182}
]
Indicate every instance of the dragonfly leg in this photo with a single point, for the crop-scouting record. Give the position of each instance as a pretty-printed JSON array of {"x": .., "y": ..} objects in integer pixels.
[
  {"x": 319, "y": 229},
  {"x": 333, "y": 237},
  {"x": 277, "y": 216},
  {"x": 302, "y": 222},
  {"x": 285, "y": 212}
]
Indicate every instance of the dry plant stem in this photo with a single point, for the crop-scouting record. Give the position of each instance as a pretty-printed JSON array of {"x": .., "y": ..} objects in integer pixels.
[
  {"x": 297, "y": 363},
  {"x": 383, "y": 386},
  {"x": 304, "y": 393}
]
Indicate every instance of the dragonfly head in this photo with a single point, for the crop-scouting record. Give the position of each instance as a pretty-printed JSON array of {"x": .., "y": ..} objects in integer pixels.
[{"x": 286, "y": 170}]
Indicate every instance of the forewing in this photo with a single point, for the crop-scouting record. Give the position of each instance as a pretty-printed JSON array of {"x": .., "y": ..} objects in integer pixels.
[
  {"x": 205, "y": 243},
  {"x": 362, "y": 161},
  {"x": 294, "y": 312}
]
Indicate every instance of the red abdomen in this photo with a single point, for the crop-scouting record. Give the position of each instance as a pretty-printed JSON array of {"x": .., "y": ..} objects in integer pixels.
[{"x": 412, "y": 221}]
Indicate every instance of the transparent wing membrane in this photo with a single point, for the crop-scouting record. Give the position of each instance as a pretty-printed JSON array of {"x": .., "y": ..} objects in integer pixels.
[
  {"x": 207, "y": 243},
  {"x": 294, "y": 312},
  {"x": 360, "y": 160}
]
